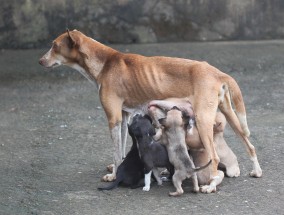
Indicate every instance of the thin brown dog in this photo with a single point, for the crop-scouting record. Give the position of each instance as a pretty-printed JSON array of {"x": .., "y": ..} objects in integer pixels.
[{"x": 129, "y": 81}]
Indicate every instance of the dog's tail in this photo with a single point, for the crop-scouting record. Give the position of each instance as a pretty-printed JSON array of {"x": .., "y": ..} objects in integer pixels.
[
  {"x": 233, "y": 92},
  {"x": 202, "y": 167}
]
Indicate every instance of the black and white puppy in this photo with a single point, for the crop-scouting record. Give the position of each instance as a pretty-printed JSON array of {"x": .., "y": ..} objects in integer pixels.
[
  {"x": 152, "y": 153},
  {"x": 131, "y": 171}
]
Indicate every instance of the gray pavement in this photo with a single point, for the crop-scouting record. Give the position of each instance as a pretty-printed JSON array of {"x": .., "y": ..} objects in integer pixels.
[{"x": 55, "y": 144}]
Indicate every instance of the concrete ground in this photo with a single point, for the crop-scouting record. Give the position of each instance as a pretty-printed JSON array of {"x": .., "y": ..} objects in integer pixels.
[{"x": 55, "y": 143}]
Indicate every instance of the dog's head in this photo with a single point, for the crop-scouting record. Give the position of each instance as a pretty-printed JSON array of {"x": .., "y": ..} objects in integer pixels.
[
  {"x": 65, "y": 50},
  {"x": 141, "y": 126}
]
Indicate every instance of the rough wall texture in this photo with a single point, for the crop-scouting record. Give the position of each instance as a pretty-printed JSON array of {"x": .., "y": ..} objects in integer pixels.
[{"x": 34, "y": 23}]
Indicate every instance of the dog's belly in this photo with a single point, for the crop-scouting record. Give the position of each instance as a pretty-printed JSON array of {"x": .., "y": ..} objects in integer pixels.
[{"x": 140, "y": 109}]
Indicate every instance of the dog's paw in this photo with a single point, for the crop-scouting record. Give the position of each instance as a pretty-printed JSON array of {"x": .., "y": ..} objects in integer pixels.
[
  {"x": 207, "y": 189},
  {"x": 166, "y": 179},
  {"x": 233, "y": 172},
  {"x": 165, "y": 172},
  {"x": 256, "y": 173},
  {"x": 146, "y": 188},
  {"x": 108, "y": 177},
  {"x": 110, "y": 167},
  {"x": 175, "y": 194}
]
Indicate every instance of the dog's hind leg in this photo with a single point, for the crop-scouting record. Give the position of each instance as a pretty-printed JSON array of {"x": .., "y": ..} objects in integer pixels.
[
  {"x": 227, "y": 110},
  {"x": 205, "y": 113},
  {"x": 213, "y": 183},
  {"x": 178, "y": 177},
  {"x": 157, "y": 176}
]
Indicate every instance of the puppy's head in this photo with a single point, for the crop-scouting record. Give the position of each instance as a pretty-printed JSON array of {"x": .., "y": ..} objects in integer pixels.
[
  {"x": 65, "y": 50},
  {"x": 141, "y": 126},
  {"x": 175, "y": 118}
]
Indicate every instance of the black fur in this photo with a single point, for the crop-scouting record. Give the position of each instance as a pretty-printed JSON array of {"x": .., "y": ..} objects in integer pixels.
[
  {"x": 131, "y": 171},
  {"x": 153, "y": 154}
]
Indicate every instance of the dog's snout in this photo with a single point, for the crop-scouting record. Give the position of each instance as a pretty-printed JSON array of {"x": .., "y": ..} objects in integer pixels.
[{"x": 41, "y": 61}]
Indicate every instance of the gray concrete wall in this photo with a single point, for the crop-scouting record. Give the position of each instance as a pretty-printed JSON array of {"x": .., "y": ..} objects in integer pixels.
[{"x": 34, "y": 23}]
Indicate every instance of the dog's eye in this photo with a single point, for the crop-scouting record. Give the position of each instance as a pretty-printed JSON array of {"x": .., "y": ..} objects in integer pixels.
[{"x": 55, "y": 47}]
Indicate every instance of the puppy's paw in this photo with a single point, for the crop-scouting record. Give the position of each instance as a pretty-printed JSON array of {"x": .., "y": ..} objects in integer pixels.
[
  {"x": 110, "y": 167},
  {"x": 146, "y": 188},
  {"x": 233, "y": 171},
  {"x": 166, "y": 179},
  {"x": 175, "y": 194},
  {"x": 208, "y": 189},
  {"x": 165, "y": 172},
  {"x": 256, "y": 173},
  {"x": 108, "y": 177}
]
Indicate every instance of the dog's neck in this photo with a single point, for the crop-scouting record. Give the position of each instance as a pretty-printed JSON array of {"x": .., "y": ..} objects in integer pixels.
[{"x": 92, "y": 60}]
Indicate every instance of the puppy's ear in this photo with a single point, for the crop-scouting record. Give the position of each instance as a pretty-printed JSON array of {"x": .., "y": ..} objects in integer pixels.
[
  {"x": 185, "y": 118},
  {"x": 148, "y": 117},
  {"x": 162, "y": 121},
  {"x": 152, "y": 132},
  {"x": 175, "y": 108}
]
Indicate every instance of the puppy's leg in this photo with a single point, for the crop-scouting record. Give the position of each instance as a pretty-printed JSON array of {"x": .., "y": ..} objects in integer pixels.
[
  {"x": 147, "y": 181},
  {"x": 178, "y": 177},
  {"x": 234, "y": 122},
  {"x": 195, "y": 183},
  {"x": 213, "y": 183},
  {"x": 157, "y": 176},
  {"x": 228, "y": 159}
]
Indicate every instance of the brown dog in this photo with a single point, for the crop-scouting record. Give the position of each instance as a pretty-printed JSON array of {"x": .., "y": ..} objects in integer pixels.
[{"x": 128, "y": 81}]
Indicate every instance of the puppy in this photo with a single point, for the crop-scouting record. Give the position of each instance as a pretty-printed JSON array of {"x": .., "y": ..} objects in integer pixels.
[
  {"x": 131, "y": 171},
  {"x": 228, "y": 160},
  {"x": 173, "y": 136},
  {"x": 152, "y": 153}
]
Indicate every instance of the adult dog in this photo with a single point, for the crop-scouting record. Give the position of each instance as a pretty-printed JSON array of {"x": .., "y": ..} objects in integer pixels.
[{"x": 128, "y": 81}]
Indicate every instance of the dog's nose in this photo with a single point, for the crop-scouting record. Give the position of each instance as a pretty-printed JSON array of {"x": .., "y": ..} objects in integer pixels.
[{"x": 41, "y": 61}]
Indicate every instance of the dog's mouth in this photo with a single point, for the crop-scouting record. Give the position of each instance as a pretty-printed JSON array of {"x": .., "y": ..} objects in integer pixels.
[{"x": 53, "y": 66}]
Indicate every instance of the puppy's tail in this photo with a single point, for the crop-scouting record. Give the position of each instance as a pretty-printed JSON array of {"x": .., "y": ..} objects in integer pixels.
[
  {"x": 111, "y": 186},
  {"x": 202, "y": 167}
]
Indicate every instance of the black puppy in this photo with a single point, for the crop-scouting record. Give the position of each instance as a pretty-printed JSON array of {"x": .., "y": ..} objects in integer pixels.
[
  {"x": 130, "y": 172},
  {"x": 152, "y": 153}
]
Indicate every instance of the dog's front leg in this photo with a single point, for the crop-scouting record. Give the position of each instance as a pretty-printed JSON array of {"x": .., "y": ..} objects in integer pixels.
[
  {"x": 124, "y": 131},
  {"x": 117, "y": 153},
  {"x": 113, "y": 110}
]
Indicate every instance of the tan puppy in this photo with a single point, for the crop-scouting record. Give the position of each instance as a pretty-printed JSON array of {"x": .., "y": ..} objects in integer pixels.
[
  {"x": 173, "y": 137},
  {"x": 228, "y": 160},
  {"x": 128, "y": 81}
]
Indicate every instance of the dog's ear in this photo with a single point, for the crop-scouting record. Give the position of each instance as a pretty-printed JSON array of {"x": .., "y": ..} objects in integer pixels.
[
  {"x": 185, "y": 118},
  {"x": 148, "y": 117},
  {"x": 175, "y": 108},
  {"x": 72, "y": 41},
  {"x": 152, "y": 132},
  {"x": 162, "y": 121}
]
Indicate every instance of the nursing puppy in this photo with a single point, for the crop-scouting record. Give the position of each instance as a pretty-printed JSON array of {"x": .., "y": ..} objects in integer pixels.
[
  {"x": 173, "y": 136},
  {"x": 152, "y": 153},
  {"x": 131, "y": 171},
  {"x": 228, "y": 160}
]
